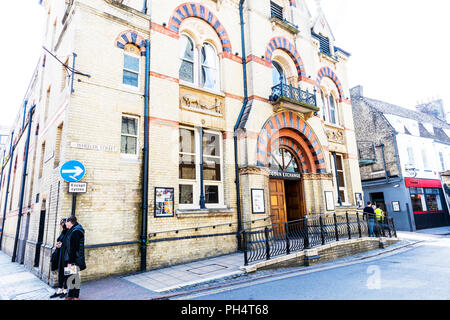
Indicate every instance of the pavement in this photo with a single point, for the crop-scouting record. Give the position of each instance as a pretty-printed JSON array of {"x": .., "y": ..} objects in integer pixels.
[{"x": 19, "y": 283}]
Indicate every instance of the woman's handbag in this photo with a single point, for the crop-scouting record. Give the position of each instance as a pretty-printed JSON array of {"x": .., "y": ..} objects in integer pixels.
[
  {"x": 70, "y": 271},
  {"x": 54, "y": 260}
]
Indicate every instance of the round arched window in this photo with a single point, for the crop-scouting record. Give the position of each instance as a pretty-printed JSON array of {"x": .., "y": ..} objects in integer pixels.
[
  {"x": 284, "y": 160},
  {"x": 278, "y": 74}
]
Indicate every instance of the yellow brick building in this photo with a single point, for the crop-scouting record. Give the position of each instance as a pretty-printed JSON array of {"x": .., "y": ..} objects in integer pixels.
[{"x": 249, "y": 123}]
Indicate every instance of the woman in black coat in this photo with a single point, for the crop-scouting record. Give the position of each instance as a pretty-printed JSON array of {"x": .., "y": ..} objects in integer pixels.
[
  {"x": 73, "y": 256},
  {"x": 58, "y": 264}
]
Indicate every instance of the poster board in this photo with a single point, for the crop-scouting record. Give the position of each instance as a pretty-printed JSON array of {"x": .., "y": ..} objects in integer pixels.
[{"x": 164, "y": 202}]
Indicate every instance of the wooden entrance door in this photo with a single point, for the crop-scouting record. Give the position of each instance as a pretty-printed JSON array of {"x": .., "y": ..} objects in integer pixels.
[{"x": 277, "y": 201}]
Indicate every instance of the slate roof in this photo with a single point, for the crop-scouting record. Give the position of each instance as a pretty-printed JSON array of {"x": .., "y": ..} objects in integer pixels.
[{"x": 420, "y": 117}]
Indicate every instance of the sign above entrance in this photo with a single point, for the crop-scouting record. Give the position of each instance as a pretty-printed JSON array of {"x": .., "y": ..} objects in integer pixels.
[{"x": 285, "y": 175}]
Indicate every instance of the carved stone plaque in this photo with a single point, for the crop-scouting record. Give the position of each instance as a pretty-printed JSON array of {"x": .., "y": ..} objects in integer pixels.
[{"x": 201, "y": 101}]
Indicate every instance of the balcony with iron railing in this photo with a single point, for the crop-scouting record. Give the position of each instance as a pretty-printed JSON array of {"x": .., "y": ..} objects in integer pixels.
[{"x": 295, "y": 98}]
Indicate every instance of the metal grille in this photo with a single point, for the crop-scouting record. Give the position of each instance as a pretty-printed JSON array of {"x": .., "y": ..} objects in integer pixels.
[{"x": 276, "y": 11}]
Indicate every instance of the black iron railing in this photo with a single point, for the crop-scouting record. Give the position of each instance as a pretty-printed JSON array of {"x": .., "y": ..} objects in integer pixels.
[
  {"x": 283, "y": 90},
  {"x": 266, "y": 242}
]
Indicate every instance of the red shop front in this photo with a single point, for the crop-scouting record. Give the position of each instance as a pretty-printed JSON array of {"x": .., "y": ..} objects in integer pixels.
[{"x": 428, "y": 203}]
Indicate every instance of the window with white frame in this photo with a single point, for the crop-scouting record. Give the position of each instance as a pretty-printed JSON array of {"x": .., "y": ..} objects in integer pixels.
[
  {"x": 189, "y": 168},
  {"x": 411, "y": 160},
  {"x": 339, "y": 170},
  {"x": 131, "y": 65},
  {"x": 129, "y": 136},
  {"x": 441, "y": 159},
  {"x": 199, "y": 67},
  {"x": 209, "y": 67},
  {"x": 330, "y": 108},
  {"x": 187, "y": 56}
]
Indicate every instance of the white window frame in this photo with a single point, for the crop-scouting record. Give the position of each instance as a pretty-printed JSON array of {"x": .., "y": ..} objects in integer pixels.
[
  {"x": 335, "y": 178},
  {"x": 135, "y": 56},
  {"x": 217, "y": 67},
  {"x": 129, "y": 155},
  {"x": 196, "y": 182},
  {"x": 198, "y": 67},
  {"x": 192, "y": 182},
  {"x": 194, "y": 61}
]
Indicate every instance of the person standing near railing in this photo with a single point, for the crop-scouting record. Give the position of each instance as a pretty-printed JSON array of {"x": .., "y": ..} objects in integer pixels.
[
  {"x": 379, "y": 213},
  {"x": 369, "y": 213}
]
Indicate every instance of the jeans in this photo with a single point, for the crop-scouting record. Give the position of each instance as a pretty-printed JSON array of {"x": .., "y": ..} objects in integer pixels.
[{"x": 371, "y": 225}]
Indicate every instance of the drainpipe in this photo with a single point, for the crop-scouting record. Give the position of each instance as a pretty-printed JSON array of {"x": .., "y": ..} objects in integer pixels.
[
  {"x": 236, "y": 166},
  {"x": 384, "y": 162},
  {"x": 24, "y": 113},
  {"x": 144, "y": 9},
  {"x": 1, "y": 174},
  {"x": 22, "y": 188},
  {"x": 146, "y": 160},
  {"x": 11, "y": 155}
]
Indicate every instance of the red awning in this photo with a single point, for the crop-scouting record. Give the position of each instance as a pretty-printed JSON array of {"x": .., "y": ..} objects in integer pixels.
[{"x": 422, "y": 183}]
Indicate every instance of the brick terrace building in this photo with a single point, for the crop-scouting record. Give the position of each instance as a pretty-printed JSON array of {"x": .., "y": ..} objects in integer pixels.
[
  {"x": 289, "y": 125},
  {"x": 402, "y": 152}
]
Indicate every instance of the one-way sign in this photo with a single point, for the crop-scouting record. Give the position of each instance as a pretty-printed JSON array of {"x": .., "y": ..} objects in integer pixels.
[{"x": 72, "y": 171}]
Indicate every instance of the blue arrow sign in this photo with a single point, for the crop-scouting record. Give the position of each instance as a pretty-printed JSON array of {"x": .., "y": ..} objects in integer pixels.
[{"x": 72, "y": 171}]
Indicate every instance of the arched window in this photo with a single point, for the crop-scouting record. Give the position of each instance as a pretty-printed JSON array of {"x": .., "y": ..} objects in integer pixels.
[
  {"x": 284, "y": 160},
  {"x": 187, "y": 56},
  {"x": 278, "y": 74},
  {"x": 131, "y": 65},
  {"x": 330, "y": 111},
  {"x": 333, "y": 113},
  {"x": 204, "y": 61},
  {"x": 209, "y": 67}
]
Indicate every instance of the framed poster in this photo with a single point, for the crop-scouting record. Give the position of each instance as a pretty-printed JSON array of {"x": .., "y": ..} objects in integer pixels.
[
  {"x": 329, "y": 199},
  {"x": 164, "y": 202},
  {"x": 258, "y": 201},
  {"x": 396, "y": 206},
  {"x": 359, "y": 200}
]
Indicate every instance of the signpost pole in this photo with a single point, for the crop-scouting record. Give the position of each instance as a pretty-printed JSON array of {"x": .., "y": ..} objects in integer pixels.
[{"x": 74, "y": 203}]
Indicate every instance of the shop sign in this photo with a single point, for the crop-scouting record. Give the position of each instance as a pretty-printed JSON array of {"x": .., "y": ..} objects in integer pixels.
[{"x": 285, "y": 175}]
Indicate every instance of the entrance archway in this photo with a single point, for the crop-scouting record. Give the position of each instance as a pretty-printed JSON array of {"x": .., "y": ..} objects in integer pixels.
[
  {"x": 285, "y": 186},
  {"x": 288, "y": 146}
]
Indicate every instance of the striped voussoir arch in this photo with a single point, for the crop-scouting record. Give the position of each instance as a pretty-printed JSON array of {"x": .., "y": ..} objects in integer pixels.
[
  {"x": 288, "y": 127},
  {"x": 131, "y": 37},
  {"x": 198, "y": 10},
  {"x": 285, "y": 45},
  {"x": 327, "y": 72}
]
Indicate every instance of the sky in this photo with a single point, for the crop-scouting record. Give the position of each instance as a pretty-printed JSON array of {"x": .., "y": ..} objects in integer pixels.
[{"x": 400, "y": 48}]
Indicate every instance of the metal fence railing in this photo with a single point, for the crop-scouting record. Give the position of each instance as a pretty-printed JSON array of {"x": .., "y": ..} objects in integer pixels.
[{"x": 264, "y": 243}]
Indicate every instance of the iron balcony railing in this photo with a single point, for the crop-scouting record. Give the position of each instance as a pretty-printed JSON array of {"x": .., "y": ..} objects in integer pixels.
[
  {"x": 294, "y": 94},
  {"x": 264, "y": 243}
]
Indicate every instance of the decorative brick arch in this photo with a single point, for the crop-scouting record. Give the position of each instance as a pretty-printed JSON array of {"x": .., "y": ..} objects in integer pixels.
[
  {"x": 197, "y": 10},
  {"x": 131, "y": 37},
  {"x": 285, "y": 45},
  {"x": 327, "y": 72},
  {"x": 288, "y": 128}
]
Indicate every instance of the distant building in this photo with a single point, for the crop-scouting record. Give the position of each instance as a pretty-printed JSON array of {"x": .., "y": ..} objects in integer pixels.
[
  {"x": 434, "y": 108},
  {"x": 401, "y": 153}
]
